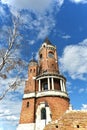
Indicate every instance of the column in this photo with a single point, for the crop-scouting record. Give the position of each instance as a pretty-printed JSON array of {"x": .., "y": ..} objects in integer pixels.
[
  {"x": 48, "y": 83},
  {"x": 64, "y": 86},
  {"x": 39, "y": 85},
  {"x": 61, "y": 85},
  {"x": 52, "y": 80}
]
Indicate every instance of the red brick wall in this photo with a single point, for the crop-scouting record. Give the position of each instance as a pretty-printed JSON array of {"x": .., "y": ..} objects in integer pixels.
[
  {"x": 47, "y": 63},
  {"x": 27, "y": 113},
  {"x": 57, "y": 105},
  {"x": 30, "y": 83}
]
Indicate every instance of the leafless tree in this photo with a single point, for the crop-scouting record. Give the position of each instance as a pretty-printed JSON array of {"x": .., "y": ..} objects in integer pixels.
[{"x": 8, "y": 60}]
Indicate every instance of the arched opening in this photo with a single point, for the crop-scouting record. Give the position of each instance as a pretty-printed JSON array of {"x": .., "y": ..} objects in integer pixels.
[
  {"x": 43, "y": 113},
  {"x": 41, "y": 56},
  {"x": 51, "y": 54},
  {"x": 27, "y": 104},
  {"x": 34, "y": 70},
  {"x": 77, "y": 126}
]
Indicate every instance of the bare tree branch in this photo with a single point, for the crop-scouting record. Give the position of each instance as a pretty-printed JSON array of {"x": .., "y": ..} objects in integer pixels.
[{"x": 9, "y": 63}]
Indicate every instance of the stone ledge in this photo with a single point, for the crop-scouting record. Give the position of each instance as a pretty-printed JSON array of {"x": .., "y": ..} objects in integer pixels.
[{"x": 45, "y": 93}]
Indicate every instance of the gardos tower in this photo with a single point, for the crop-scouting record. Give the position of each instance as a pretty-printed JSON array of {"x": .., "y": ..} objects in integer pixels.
[{"x": 45, "y": 97}]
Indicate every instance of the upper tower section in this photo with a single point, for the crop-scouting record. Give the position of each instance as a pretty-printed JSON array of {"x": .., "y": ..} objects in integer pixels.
[
  {"x": 48, "y": 60},
  {"x": 32, "y": 73}
]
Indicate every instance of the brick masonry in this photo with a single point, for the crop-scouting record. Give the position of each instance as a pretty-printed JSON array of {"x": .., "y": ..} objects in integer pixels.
[
  {"x": 57, "y": 105},
  {"x": 27, "y": 112},
  {"x": 71, "y": 120}
]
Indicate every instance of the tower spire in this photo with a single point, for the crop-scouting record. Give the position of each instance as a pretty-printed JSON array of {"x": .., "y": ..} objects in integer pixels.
[
  {"x": 47, "y": 41},
  {"x": 33, "y": 56}
]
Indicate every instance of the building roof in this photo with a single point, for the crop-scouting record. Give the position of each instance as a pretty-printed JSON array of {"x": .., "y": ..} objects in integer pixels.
[
  {"x": 33, "y": 58},
  {"x": 47, "y": 41}
]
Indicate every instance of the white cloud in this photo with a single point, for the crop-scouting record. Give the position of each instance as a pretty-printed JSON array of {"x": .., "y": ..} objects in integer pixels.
[
  {"x": 31, "y": 42},
  {"x": 44, "y": 21},
  {"x": 34, "y": 5},
  {"x": 21, "y": 4},
  {"x": 66, "y": 36},
  {"x": 47, "y": 24},
  {"x": 84, "y": 107},
  {"x": 9, "y": 110},
  {"x": 11, "y": 118},
  {"x": 40, "y": 27},
  {"x": 84, "y": 42},
  {"x": 60, "y": 2},
  {"x": 79, "y": 1},
  {"x": 74, "y": 60},
  {"x": 81, "y": 90}
]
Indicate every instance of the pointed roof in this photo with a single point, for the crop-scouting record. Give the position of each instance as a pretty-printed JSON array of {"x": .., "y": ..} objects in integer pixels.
[
  {"x": 33, "y": 58},
  {"x": 47, "y": 41}
]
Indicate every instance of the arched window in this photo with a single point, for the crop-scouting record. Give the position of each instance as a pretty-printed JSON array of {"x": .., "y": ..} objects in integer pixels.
[
  {"x": 27, "y": 104},
  {"x": 30, "y": 70},
  {"x": 40, "y": 56},
  {"x": 34, "y": 70},
  {"x": 51, "y": 54},
  {"x": 43, "y": 113},
  {"x": 77, "y": 126}
]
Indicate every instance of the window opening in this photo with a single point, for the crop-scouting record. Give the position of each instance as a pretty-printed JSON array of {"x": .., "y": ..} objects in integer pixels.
[
  {"x": 34, "y": 70},
  {"x": 27, "y": 104},
  {"x": 40, "y": 56},
  {"x": 45, "y": 86},
  {"x": 52, "y": 64},
  {"x": 43, "y": 113},
  {"x": 77, "y": 126},
  {"x": 30, "y": 70},
  {"x": 56, "y": 126},
  {"x": 51, "y": 55}
]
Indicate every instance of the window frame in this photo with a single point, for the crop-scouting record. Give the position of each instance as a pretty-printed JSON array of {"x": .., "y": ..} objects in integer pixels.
[{"x": 43, "y": 113}]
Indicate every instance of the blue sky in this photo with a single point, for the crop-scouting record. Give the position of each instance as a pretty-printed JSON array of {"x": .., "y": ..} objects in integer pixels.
[{"x": 64, "y": 22}]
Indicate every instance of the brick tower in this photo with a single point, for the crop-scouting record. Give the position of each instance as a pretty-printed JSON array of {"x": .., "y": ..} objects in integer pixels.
[{"x": 45, "y": 97}]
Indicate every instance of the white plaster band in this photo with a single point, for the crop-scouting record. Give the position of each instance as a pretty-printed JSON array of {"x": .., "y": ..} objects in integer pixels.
[
  {"x": 45, "y": 93},
  {"x": 55, "y": 77}
]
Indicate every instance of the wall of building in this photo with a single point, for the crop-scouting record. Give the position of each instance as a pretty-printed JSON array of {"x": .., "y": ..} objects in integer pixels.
[
  {"x": 57, "y": 105},
  {"x": 48, "y": 63},
  {"x": 71, "y": 120},
  {"x": 27, "y": 112}
]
